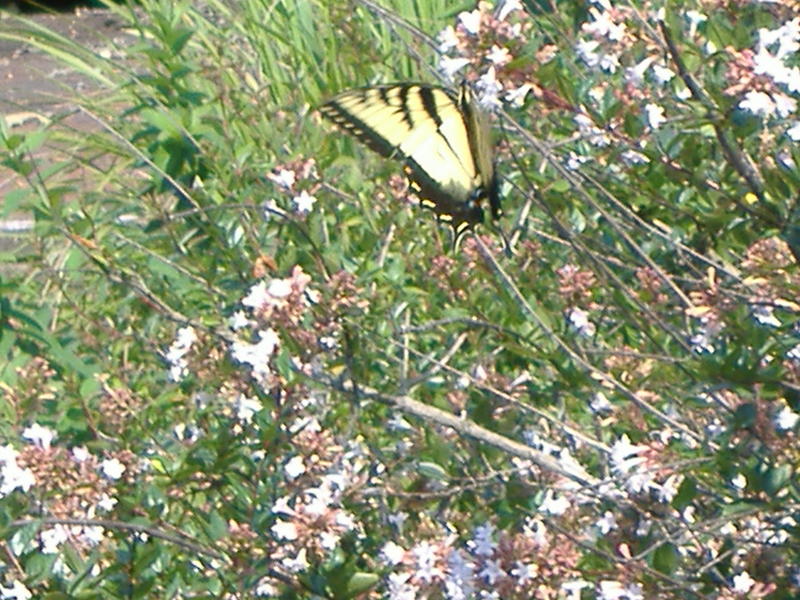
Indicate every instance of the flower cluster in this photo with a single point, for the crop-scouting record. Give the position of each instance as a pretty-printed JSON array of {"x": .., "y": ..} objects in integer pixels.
[
  {"x": 527, "y": 564},
  {"x": 277, "y": 304},
  {"x": 310, "y": 518},
  {"x": 72, "y": 485},
  {"x": 489, "y": 42},
  {"x": 763, "y": 76},
  {"x": 292, "y": 178}
]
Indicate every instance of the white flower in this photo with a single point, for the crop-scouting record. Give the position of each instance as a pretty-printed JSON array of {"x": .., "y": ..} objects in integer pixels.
[
  {"x": 397, "y": 520},
  {"x": 13, "y": 477},
  {"x": 524, "y": 572},
  {"x": 606, "y": 523},
  {"x": 482, "y": 543},
  {"x": 257, "y": 296},
  {"x": 635, "y": 74},
  {"x": 246, "y": 408},
  {"x": 178, "y": 369},
  {"x": 785, "y": 160},
  {"x": 743, "y": 582},
  {"x": 739, "y": 481},
  {"x": 694, "y": 18},
  {"x": 609, "y": 63},
  {"x": 51, "y": 539},
  {"x": 8, "y": 454},
  {"x": 17, "y": 591},
  {"x": 624, "y": 456},
  {"x": 471, "y": 21},
  {"x": 492, "y": 571},
  {"x": 106, "y": 502},
  {"x": 666, "y": 491},
  {"x": 426, "y": 559},
  {"x": 39, "y": 435},
  {"x": 284, "y": 178},
  {"x": 786, "y": 419},
  {"x": 573, "y": 588},
  {"x": 574, "y": 161},
  {"x": 184, "y": 339},
  {"x": 392, "y": 554},
  {"x": 614, "y": 590},
  {"x": 304, "y": 202},
  {"x": 459, "y": 579},
  {"x": 784, "y": 105},
  {"x": 758, "y": 103},
  {"x": 554, "y": 505},
  {"x": 639, "y": 481},
  {"x": 655, "y": 115},
  {"x": 793, "y": 80},
  {"x": 516, "y": 96},
  {"x": 683, "y": 93},
  {"x": 280, "y": 288},
  {"x": 80, "y": 454},
  {"x": 112, "y": 468},
  {"x": 579, "y": 320},
  {"x": 787, "y": 37},
  {"x": 499, "y": 56},
  {"x": 587, "y": 52},
  {"x": 257, "y": 355},
  {"x": 328, "y": 343},
  {"x": 399, "y": 588},
  {"x": 536, "y": 530},
  {"x": 298, "y": 563},
  {"x": 447, "y": 39},
  {"x": 490, "y": 89},
  {"x": 450, "y": 66},
  {"x": 238, "y": 320},
  {"x": 604, "y": 26},
  {"x": 329, "y": 540},
  {"x": 285, "y": 530},
  {"x": 507, "y": 6},
  {"x": 595, "y": 135},
  {"x": 93, "y": 535},
  {"x": 766, "y": 63},
  {"x": 281, "y": 506},
  {"x": 662, "y": 74},
  {"x": 766, "y": 315},
  {"x": 600, "y": 403},
  {"x": 295, "y": 467}
]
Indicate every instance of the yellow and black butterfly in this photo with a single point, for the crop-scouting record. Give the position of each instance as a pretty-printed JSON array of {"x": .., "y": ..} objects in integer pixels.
[{"x": 443, "y": 137}]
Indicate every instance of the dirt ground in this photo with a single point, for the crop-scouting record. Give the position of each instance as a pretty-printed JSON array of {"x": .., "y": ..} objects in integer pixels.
[
  {"x": 31, "y": 80},
  {"x": 34, "y": 86}
]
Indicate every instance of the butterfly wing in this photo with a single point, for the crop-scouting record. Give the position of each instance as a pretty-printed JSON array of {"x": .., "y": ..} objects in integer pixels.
[{"x": 442, "y": 136}]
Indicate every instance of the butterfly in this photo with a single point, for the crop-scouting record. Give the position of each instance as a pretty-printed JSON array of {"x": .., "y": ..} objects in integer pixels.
[{"x": 443, "y": 137}]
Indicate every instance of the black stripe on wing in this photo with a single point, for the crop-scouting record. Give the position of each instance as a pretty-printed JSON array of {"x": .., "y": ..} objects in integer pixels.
[{"x": 342, "y": 117}]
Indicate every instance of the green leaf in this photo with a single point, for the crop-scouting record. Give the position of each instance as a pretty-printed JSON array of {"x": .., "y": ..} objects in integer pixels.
[
  {"x": 745, "y": 415},
  {"x": 432, "y": 470},
  {"x": 217, "y": 528},
  {"x": 665, "y": 558},
  {"x": 687, "y": 492}
]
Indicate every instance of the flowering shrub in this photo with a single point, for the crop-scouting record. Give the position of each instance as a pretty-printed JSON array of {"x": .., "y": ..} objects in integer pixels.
[{"x": 248, "y": 366}]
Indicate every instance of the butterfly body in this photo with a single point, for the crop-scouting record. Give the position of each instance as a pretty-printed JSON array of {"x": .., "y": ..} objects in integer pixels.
[{"x": 442, "y": 136}]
